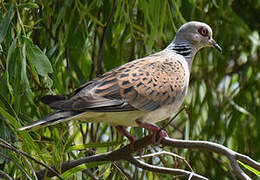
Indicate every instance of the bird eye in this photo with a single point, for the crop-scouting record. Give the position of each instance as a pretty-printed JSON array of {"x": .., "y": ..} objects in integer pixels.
[{"x": 203, "y": 31}]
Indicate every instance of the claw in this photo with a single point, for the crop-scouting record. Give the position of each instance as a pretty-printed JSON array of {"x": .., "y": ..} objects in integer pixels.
[
  {"x": 158, "y": 136},
  {"x": 158, "y": 133}
]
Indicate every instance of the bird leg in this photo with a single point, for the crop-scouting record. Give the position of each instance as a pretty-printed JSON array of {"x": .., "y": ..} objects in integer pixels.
[
  {"x": 158, "y": 133},
  {"x": 131, "y": 138}
]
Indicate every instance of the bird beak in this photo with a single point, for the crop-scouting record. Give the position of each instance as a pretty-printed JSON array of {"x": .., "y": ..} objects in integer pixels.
[{"x": 214, "y": 44}]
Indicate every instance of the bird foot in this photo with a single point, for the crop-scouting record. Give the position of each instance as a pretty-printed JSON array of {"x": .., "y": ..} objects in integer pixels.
[
  {"x": 158, "y": 133},
  {"x": 131, "y": 138}
]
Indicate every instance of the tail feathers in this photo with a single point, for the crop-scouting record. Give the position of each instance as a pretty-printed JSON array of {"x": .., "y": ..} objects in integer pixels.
[
  {"x": 53, "y": 101},
  {"x": 54, "y": 118}
]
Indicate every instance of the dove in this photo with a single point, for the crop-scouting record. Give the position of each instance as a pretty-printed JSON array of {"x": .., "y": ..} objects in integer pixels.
[{"x": 137, "y": 94}]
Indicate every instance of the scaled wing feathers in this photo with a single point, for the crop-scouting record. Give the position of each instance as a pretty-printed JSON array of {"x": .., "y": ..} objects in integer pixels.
[{"x": 145, "y": 84}]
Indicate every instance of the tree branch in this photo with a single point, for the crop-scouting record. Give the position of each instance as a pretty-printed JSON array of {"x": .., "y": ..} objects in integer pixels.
[
  {"x": 163, "y": 170},
  {"x": 219, "y": 149},
  {"x": 5, "y": 176},
  {"x": 125, "y": 153}
]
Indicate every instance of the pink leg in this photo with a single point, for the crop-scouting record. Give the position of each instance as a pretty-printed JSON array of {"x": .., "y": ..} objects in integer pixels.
[
  {"x": 131, "y": 138},
  {"x": 155, "y": 129}
]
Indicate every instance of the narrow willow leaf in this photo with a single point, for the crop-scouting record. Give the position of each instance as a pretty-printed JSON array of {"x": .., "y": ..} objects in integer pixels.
[
  {"x": 38, "y": 58},
  {"x": 28, "y": 5},
  {"x": 72, "y": 171},
  {"x": 24, "y": 79},
  {"x": 241, "y": 109},
  {"x": 253, "y": 170},
  {"x": 92, "y": 145},
  {"x": 6, "y": 135},
  {"x": 10, "y": 53},
  {"x": 60, "y": 16},
  {"x": 82, "y": 167},
  {"x": 8, "y": 107},
  {"x": 5, "y": 24},
  {"x": 9, "y": 118},
  {"x": 48, "y": 82}
]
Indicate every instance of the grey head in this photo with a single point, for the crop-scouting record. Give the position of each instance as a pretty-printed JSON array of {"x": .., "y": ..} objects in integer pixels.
[{"x": 191, "y": 37}]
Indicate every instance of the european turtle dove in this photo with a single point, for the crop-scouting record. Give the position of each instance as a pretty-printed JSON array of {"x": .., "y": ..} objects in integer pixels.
[{"x": 139, "y": 93}]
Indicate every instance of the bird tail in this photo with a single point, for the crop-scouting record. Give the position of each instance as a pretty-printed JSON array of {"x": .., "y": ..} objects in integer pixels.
[{"x": 54, "y": 118}]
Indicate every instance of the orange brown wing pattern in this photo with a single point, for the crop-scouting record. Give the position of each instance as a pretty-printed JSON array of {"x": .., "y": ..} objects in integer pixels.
[{"x": 144, "y": 84}]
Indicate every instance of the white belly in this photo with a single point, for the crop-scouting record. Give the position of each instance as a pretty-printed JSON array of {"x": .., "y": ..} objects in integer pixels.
[{"x": 126, "y": 118}]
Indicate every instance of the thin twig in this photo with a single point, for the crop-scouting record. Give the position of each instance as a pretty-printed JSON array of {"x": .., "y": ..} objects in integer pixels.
[
  {"x": 173, "y": 171},
  {"x": 22, "y": 153},
  {"x": 169, "y": 122},
  {"x": 92, "y": 70},
  {"x": 90, "y": 174},
  {"x": 18, "y": 165},
  {"x": 102, "y": 44},
  {"x": 216, "y": 148},
  {"x": 5, "y": 175},
  {"x": 122, "y": 171},
  {"x": 248, "y": 161},
  {"x": 165, "y": 153},
  {"x": 11, "y": 147}
]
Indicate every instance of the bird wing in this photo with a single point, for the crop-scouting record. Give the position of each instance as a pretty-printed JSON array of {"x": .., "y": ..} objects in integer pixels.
[{"x": 144, "y": 84}]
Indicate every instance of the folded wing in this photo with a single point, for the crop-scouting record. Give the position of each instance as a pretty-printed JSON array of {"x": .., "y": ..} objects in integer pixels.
[{"x": 144, "y": 84}]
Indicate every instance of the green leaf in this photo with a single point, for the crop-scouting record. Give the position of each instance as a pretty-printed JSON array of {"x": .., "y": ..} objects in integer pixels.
[
  {"x": 253, "y": 170},
  {"x": 7, "y": 106},
  {"x": 28, "y": 5},
  {"x": 92, "y": 145},
  {"x": 5, "y": 24},
  {"x": 82, "y": 167},
  {"x": 241, "y": 109},
  {"x": 24, "y": 79},
  {"x": 9, "y": 118},
  {"x": 38, "y": 58},
  {"x": 72, "y": 171},
  {"x": 138, "y": 131},
  {"x": 10, "y": 54}
]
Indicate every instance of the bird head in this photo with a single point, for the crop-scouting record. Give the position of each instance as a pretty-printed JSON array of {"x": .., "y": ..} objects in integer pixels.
[{"x": 197, "y": 34}]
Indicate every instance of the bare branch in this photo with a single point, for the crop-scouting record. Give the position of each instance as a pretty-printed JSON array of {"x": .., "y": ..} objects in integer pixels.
[
  {"x": 122, "y": 171},
  {"x": 164, "y": 170},
  {"x": 217, "y": 148},
  {"x": 248, "y": 161},
  {"x": 165, "y": 153},
  {"x": 125, "y": 153},
  {"x": 5, "y": 176}
]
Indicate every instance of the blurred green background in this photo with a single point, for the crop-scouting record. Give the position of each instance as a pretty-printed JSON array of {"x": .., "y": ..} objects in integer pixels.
[{"x": 53, "y": 46}]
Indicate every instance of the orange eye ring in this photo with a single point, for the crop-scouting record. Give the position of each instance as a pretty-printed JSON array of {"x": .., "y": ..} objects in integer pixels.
[{"x": 203, "y": 31}]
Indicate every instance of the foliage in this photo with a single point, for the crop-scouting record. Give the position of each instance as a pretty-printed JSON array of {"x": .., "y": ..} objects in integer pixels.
[{"x": 52, "y": 47}]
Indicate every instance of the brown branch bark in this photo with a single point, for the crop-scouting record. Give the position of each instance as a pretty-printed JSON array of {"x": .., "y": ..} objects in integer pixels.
[
  {"x": 219, "y": 149},
  {"x": 125, "y": 153}
]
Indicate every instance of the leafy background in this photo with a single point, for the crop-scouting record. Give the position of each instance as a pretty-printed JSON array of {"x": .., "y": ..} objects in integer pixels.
[{"x": 54, "y": 46}]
